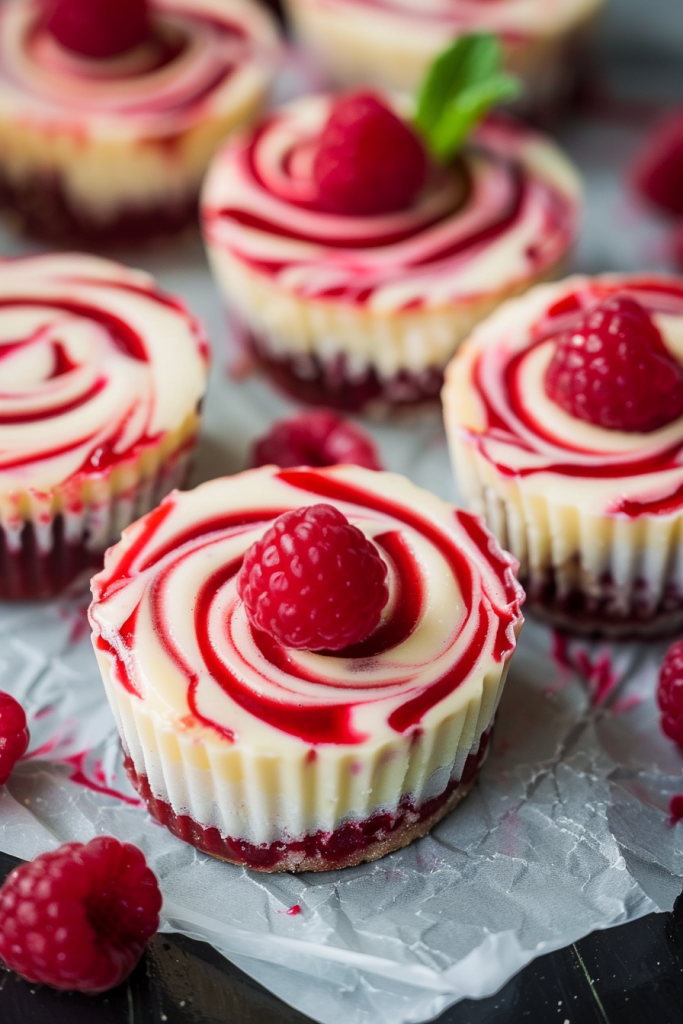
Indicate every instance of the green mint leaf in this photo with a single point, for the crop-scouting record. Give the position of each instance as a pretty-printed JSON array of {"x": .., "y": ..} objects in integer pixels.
[
  {"x": 465, "y": 111},
  {"x": 463, "y": 83}
]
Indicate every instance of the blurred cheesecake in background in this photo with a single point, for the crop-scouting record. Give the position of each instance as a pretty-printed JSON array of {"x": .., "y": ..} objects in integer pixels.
[{"x": 111, "y": 111}]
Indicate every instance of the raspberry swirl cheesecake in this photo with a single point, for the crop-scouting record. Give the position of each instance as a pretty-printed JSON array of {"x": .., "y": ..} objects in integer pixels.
[
  {"x": 304, "y": 664},
  {"x": 390, "y": 43},
  {"x": 101, "y": 376},
  {"x": 565, "y": 418},
  {"x": 353, "y": 265},
  {"x": 111, "y": 111}
]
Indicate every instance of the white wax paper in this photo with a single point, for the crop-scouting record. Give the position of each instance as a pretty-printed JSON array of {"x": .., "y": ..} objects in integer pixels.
[{"x": 568, "y": 828}]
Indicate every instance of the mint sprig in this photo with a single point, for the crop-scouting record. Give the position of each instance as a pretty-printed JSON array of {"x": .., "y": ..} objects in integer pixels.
[{"x": 461, "y": 86}]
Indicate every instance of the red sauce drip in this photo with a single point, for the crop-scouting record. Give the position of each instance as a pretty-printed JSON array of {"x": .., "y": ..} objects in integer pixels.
[
  {"x": 294, "y": 911},
  {"x": 97, "y": 785},
  {"x": 120, "y": 653}
]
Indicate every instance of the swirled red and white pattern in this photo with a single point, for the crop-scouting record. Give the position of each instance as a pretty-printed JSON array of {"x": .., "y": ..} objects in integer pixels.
[
  {"x": 517, "y": 427},
  {"x": 96, "y": 364},
  {"x": 167, "y": 613},
  {"x": 507, "y": 211},
  {"x": 198, "y": 55}
]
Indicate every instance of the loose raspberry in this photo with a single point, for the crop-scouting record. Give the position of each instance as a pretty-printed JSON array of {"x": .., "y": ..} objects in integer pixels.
[
  {"x": 670, "y": 693},
  {"x": 99, "y": 28},
  {"x": 314, "y": 581},
  {"x": 658, "y": 171},
  {"x": 315, "y": 439},
  {"x": 614, "y": 370},
  {"x": 368, "y": 161},
  {"x": 79, "y": 917},
  {"x": 14, "y": 735}
]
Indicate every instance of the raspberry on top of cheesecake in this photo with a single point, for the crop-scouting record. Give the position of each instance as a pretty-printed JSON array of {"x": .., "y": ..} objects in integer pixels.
[
  {"x": 565, "y": 417},
  {"x": 110, "y": 111},
  {"x": 355, "y": 258},
  {"x": 330, "y": 695}
]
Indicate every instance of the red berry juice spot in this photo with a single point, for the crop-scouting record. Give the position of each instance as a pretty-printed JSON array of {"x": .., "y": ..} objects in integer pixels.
[
  {"x": 658, "y": 170},
  {"x": 613, "y": 369},
  {"x": 99, "y": 29},
  {"x": 369, "y": 161},
  {"x": 315, "y": 439},
  {"x": 313, "y": 581},
  {"x": 14, "y": 735},
  {"x": 79, "y": 918}
]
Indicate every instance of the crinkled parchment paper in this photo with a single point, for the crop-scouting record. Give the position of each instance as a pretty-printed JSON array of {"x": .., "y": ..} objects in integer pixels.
[{"x": 567, "y": 831}]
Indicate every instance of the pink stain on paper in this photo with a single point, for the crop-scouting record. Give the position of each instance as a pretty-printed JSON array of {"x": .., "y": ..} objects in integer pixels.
[
  {"x": 97, "y": 781},
  {"x": 597, "y": 672}
]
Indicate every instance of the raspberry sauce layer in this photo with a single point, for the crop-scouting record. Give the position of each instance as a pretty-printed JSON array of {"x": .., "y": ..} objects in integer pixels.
[
  {"x": 258, "y": 740},
  {"x": 87, "y": 384},
  {"x": 506, "y": 212},
  {"x": 199, "y": 53},
  {"x": 514, "y": 425}
]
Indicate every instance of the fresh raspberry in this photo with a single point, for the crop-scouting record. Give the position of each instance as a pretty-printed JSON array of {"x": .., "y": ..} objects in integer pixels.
[
  {"x": 670, "y": 693},
  {"x": 368, "y": 160},
  {"x": 314, "y": 581},
  {"x": 14, "y": 735},
  {"x": 613, "y": 369},
  {"x": 79, "y": 917},
  {"x": 315, "y": 439},
  {"x": 658, "y": 170},
  {"x": 99, "y": 28}
]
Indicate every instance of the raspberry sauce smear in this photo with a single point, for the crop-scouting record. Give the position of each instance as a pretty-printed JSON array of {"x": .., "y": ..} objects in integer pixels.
[{"x": 399, "y": 684}]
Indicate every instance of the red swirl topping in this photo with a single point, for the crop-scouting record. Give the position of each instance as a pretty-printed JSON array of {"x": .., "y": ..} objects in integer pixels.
[
  {"x": 85, "y": 380},
  {"x": 452, "y": 613},
  {"x": 524, "y": 433},
  {"x": 508, "y": 210}
]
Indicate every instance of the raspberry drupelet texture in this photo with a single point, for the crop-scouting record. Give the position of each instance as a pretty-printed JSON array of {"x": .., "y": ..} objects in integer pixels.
[
  {"x": 612, "y": 369},
  {"x": 670, "y": 693},
  {"x": 101, "y": 29},
  {"x": 658, "y": 171},
  {"x": 314, "y": 581},
  {"x": 368, "y": 160},
  {"x": 14, "y": 735},
  {"x": 316, "y": 438},
  {"x": 79, "y": 917}
]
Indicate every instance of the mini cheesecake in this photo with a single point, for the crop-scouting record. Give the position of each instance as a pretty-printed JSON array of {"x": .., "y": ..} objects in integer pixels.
[
  {"x": 364, "y": 311},
  {"x": 283, "y": 759},
  {"x": 117, "y": 147},
  {"x": 586, "y": 492},
  {"x": 102, "y": 375},
  {"x": 390, "y": 43}
]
